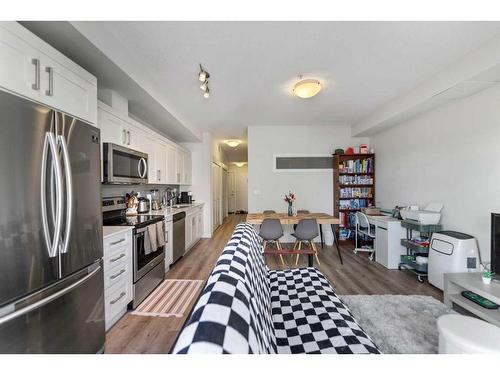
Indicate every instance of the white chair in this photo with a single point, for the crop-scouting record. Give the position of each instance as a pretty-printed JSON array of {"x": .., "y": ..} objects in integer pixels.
[{"x": 363, "y": 227}]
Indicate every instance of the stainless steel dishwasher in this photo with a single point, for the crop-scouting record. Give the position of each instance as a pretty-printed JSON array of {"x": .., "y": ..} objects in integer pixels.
[{"x": 179, "y": 235}]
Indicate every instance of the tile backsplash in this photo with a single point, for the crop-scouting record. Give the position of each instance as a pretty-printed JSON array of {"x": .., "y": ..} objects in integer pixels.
[{"x": 121, "y": 190}]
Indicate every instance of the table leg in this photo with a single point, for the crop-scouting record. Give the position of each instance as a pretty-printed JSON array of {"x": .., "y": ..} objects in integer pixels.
[
  {"x": 336, "y": 241},
  {"x": 321, "y": 234},
  {"x": 310, "y": 260}
]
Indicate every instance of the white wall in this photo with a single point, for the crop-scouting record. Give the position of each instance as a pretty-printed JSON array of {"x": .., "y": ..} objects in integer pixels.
[
  {"x": 314, "y": 190},
  {"x": 450, "y": 155},
  {"x": 201, "y": 154}
]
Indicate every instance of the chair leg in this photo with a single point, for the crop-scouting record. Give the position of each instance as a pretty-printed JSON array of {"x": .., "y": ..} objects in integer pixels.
[
  {"x": 278, "y": 244},
  {"x": 313, "y": 246},
  {"x": 297, "y": 257}
]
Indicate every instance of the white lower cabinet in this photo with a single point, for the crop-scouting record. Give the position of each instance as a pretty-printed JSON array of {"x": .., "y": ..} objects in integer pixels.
[
  {"x": 117, "y": 275},
  {"x": 194, "y": 226}
]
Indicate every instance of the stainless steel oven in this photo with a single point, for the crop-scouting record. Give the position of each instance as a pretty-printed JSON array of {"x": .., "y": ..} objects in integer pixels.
[
  {"x": 122, "y": 165},
  {"x": 149, "y": 267}
]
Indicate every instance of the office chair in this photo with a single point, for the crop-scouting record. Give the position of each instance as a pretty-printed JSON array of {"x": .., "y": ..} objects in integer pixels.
[{"x": 364, "y": 227}]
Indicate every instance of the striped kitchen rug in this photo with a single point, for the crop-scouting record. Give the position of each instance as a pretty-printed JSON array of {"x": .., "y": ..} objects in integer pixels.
[{"x": 170, "y": 299}]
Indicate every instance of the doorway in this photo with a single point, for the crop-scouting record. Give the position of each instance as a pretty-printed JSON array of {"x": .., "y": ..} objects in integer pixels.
[{"x": 238, "y": 189}]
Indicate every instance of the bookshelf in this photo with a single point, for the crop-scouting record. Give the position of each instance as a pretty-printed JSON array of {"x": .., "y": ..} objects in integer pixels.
[{"x": 353, "y": 188}]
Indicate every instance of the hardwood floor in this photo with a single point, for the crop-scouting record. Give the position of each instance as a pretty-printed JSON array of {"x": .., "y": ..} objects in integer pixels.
[{"x": 358, "y": 275}]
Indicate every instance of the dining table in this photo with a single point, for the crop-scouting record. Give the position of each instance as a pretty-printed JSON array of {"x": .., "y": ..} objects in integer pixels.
[{"x": 285, "y": 219}]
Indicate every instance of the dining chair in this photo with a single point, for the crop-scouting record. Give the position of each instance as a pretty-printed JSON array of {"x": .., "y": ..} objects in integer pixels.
[
  {"x": 300, "y": 212},
  {"x": 271, "y": 231},
  {"x": 306, "y": 231},
  {"x": 364, "y": 228}
]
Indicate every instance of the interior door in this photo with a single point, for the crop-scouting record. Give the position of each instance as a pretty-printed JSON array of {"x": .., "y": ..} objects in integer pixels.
[
  {"x": 241, "y": 183},
  {"x": 81, "y": 242},
  {"x": 25, "y": 263},
  {"x": 232, "y": 192}
]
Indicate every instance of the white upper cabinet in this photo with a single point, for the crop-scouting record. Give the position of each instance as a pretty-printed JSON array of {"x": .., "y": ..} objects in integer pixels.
[
  {"x": 183, "y": 166},
  {"x": 112, "y": 128},
  {"x": 171, "y": 165},
  {"x": 20, "y": 65},
  {"x": 32, "y": 68},
  {"x": 161, "y": 163},
  {"x": 167, "y": 162}
]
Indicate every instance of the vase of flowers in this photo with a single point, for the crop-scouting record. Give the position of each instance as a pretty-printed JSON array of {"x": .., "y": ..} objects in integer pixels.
[{"x": 289, "y": 198}]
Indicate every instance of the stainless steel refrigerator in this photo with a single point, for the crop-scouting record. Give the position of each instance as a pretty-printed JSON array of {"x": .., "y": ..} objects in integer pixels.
[{"x": 51, "y": 278}]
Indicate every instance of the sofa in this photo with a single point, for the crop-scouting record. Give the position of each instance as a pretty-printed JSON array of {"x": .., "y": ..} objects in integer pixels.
[{"x": 247, "y": 308}]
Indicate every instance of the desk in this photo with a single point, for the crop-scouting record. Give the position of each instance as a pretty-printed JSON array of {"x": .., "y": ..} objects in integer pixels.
[
  {"x": 387, "y": 243},
  {"x": 321, "y": 218}
]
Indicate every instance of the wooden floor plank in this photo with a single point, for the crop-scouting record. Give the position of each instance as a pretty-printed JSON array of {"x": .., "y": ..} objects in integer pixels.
[{"x": 358, "y": 275}]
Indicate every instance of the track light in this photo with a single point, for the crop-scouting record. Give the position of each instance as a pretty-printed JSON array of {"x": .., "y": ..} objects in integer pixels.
[
  {"x": 206, "y": 94},
  {"x": 204, "y": 86},
  {"x": 203, "y": 75}
]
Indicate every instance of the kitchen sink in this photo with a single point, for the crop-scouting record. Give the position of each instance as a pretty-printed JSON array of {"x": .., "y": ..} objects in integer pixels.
[{"x": 181, "y": 205}]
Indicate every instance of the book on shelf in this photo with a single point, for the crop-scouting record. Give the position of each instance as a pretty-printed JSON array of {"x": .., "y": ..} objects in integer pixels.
[
  {"x": 350, "y": 204},
  {"x": 356, "y": 166},
  {"x": 355, "y": 180},
  {"x": 356, "y": 192}
]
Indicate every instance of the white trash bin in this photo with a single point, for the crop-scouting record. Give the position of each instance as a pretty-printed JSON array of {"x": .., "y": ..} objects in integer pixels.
[{"x": 460, "y": 334}]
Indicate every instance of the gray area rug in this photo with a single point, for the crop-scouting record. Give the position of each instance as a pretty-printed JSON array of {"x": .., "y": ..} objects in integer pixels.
[{"x": 399, "y": 324}]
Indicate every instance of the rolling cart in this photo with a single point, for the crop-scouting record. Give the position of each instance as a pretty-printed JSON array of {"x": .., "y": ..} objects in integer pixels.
[{"x": 416, "y": 247}]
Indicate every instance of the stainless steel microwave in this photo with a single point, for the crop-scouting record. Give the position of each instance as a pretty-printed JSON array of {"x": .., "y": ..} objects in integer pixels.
[{"x": 123, "y": 165}]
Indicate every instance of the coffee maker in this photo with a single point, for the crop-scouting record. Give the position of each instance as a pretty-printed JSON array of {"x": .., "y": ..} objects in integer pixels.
[{"x": 186, "y": 197}]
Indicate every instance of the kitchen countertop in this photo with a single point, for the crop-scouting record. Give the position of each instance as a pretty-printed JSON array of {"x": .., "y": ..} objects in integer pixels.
[
  {"x": 110, "y": 231},
  {"x": 167, "y": 212}
]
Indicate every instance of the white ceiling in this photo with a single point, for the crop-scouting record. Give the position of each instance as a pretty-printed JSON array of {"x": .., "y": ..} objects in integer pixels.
[{"x": 253, "y": 66}]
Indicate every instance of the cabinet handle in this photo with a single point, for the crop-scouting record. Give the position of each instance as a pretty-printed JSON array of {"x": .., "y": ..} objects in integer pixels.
[
  {"x": 166, "y": 234},
  {"x": 128, "y": 142},
  {"x": 159, "y": 174},
  {"x": 122, "y": 294},
  {"x": 117, "y": 274},
  {"x": 117, "y": 258},
  {"x": 124, "y": 137},
  {"x": 36, "y": 85},
  {"x": 50, "y": 91},
  {"x": 117, "y": 242}
]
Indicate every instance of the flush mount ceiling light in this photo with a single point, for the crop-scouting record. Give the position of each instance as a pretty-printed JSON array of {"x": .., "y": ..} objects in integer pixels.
[
  {"x": 307, "y": 88},
  {"x": 239, "y": 163},
  {"x": 232, "y": 142}
]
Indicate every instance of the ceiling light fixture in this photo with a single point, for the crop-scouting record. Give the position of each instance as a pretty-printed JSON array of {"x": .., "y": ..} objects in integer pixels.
[
  {"x": 203, "y": 75},
  {"x": 232, "y": 142},
  {"x": 307, "y": 88},
  {"x": 240, "y": 163}
]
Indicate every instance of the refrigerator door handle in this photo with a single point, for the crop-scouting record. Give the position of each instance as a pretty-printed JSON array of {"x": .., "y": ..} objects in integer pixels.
[
  {"x": 50, "y": 146},
  {"x": 69, "y": 192},
  {"x": 44, "y": 301}
]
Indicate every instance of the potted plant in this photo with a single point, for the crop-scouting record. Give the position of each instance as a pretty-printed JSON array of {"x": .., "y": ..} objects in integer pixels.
[
  {"x": 487, "y": 276},
  {"x": 289, "y": 198}
]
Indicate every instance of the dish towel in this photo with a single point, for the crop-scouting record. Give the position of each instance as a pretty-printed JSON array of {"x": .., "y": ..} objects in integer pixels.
[
  {"x": 160, "y": 235},
  {"x": 150, "y": 239}
]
